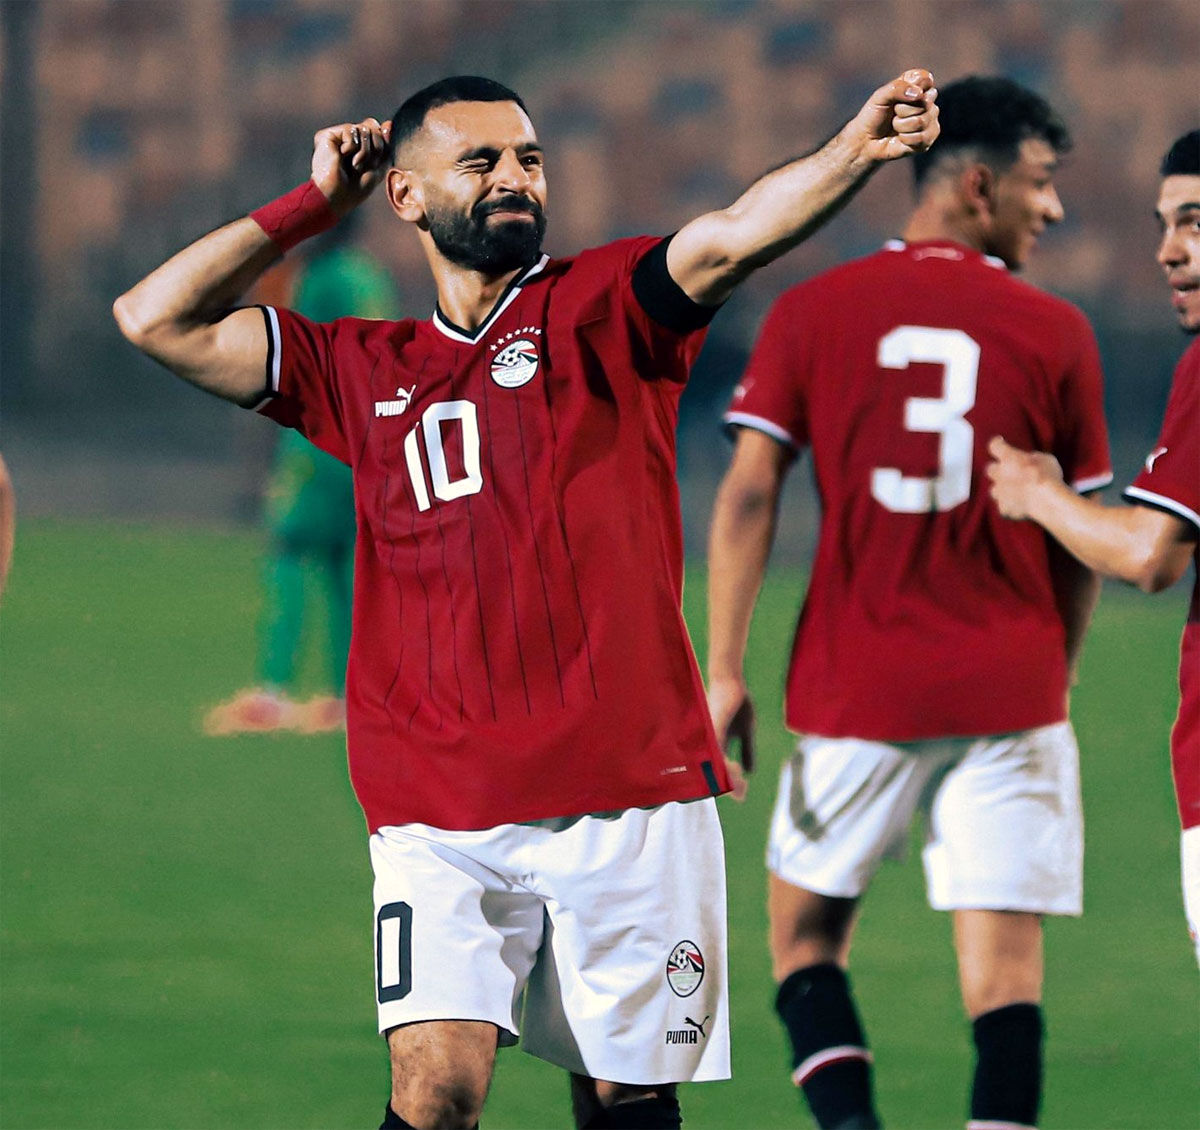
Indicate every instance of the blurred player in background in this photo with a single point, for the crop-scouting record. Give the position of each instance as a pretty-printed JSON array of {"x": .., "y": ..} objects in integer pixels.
[
  {"x": 309, "y": 515},
  {"x": 8, "y": 522},
  {"x": 527, "y": 730},
  {"x": 1151, "y": 543},
  {"x": 934, "y": 650}
]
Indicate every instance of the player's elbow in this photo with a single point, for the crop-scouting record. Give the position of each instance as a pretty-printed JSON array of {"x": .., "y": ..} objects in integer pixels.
[
  {"x": 135, "y": 327},
  {"x": 746, "y": 501},
  {"x": 1155, "y": 577},
  {"x": 1152, "y": 570}
]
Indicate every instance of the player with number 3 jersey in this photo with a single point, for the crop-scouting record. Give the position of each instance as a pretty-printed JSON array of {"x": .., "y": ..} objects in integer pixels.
[
  {"x": 932, "y": 658},
  {"x": 918, "y": 586}
]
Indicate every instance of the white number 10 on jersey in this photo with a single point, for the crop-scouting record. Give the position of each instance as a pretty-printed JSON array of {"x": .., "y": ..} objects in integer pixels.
[
  {"x": 958, "y": 354},
  {"x": 471, "y": 481}
]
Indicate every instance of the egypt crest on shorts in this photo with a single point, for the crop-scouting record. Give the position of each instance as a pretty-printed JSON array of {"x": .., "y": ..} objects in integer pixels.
[{"x": 685, "y": 971}]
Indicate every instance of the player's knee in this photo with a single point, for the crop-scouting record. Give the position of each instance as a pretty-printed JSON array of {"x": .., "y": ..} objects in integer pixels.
[
  {"x": 807, "y": 928},
  {"x": 623, "y": 1107},
  {"x": 986, "y": 988},
  {"x": 609, "y": 1094},
  {"x": 440, "y": 1104},
  {"x": 989, "y": 995}
]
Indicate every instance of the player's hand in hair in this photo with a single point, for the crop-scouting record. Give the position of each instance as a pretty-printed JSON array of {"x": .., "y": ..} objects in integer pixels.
[
  {"x": 349, "y": 161},
  {"x": 900, "y": 118}
]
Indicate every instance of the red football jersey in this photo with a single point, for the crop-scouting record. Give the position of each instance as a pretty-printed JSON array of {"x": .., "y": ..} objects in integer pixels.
[
  {"x": 518, "y": 650},
  {"x": 927, "y": 615},
  {"x": 1171, "y": 482}
]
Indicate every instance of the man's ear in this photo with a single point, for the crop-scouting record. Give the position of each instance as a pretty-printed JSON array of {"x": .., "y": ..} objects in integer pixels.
[
  {"x": 979, "y": 188},
  {"x": 405, "y": 195}
]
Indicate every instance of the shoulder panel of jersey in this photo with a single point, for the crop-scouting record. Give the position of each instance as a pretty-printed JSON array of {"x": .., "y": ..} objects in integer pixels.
[
  {"x": 1170, "y": 479},
  {"x": 309, "y": 364}
]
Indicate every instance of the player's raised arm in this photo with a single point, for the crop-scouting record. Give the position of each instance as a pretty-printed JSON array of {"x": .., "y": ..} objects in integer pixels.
[
  {"x": 1146, "y": 547},
  {"x": 711, "y": 255},
  {"x": 181, "y": 314}
]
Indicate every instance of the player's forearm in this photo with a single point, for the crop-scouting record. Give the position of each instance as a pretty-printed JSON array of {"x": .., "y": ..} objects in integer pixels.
[
  {"x": 743, "y": 530},
  {"x": 165, "y": 313},
  {"x": 1132, "y": 544},
  {"x": 714, "y": 253},
  {"x": 181, "y": 315}
]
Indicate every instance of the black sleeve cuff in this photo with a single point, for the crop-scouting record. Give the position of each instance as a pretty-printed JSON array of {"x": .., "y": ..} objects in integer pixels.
[{"x": 663, "y": 298}]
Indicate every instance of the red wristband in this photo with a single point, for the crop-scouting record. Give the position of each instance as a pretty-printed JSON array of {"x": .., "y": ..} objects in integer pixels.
[{"x": 303, "y": 212}]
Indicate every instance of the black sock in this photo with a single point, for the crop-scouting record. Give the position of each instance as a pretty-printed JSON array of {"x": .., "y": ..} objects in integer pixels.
[
  {"x": 656, "y": 1113},
  {"x": 830, "y": 1059},
  {"x": 392, "y": 1121},
  {"x": 1008, "y": 1065}
]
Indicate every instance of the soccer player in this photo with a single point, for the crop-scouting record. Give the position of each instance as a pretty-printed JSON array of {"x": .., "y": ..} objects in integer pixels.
[
  {"x": 932, "y": 657},
  {"x": 1152, "y": 542},
  {"x": 8, "y": 522},
  {"x": 526, "y": 721},
  {"x": 310, "y": 521}
]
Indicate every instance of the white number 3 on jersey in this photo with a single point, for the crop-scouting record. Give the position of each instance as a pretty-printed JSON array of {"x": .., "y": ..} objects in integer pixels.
[{"x": 958, "y": 354}]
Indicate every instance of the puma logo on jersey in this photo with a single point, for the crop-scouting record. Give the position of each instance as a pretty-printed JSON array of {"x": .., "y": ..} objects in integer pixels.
[
  {"x": 1152, "y": 458},
  {"x": 516, "y": 360},
  {"x": 395, "y": 407}
]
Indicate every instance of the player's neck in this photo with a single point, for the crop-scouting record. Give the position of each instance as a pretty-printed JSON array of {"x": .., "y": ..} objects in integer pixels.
[
  {"x": 935, "y": 224},
  {"x": 467, "y": 297}
]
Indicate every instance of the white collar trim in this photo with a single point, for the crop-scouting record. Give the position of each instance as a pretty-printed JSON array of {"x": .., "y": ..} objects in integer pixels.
[
  {"x": 900, "y": 245},
  {"x": 514, "y": 288}
]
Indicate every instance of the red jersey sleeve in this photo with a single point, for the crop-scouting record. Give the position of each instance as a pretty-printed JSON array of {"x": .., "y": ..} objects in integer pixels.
[
  {"x": 1170, "y": 479},
  {"x": 664, "y": 328},
  {"x": 771, "y": 396},
  {"x": 1082, "y": 445},
  {"x": 302, "y": 388}
]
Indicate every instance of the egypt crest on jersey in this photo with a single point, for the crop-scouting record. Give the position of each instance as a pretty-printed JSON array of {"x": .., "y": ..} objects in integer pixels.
[{"x": 516, "y": 358}]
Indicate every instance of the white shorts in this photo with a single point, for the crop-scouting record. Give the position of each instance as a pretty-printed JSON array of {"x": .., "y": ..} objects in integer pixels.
[
  {"x": 611, "y": 925},
  {"x": 1003, "y": 818},
  {"x": 1189, "y": 845}
]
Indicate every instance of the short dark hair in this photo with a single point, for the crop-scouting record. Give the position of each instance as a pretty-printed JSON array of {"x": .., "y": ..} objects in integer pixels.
[
  {"x": 1183, "y": 158},
  {"x": 457, "y": 88},
  {"x": 993, "y": 115}
]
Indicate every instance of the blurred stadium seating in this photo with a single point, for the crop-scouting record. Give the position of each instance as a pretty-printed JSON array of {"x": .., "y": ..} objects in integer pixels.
[{"x": 133, "y": 127}]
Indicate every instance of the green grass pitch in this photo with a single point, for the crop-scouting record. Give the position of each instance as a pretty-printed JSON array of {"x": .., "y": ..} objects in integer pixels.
[{"x": 186, "y": 920}]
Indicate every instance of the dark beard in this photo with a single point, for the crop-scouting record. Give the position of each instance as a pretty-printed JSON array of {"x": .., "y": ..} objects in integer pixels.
[{"x": 468, "y": 240}]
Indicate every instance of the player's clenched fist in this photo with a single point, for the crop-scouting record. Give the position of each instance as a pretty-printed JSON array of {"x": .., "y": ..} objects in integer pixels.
[
  {"x": 900, "y": 118},
  {"x": 349, "y": 161},
  {"x": 1015, "y": 474}
]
